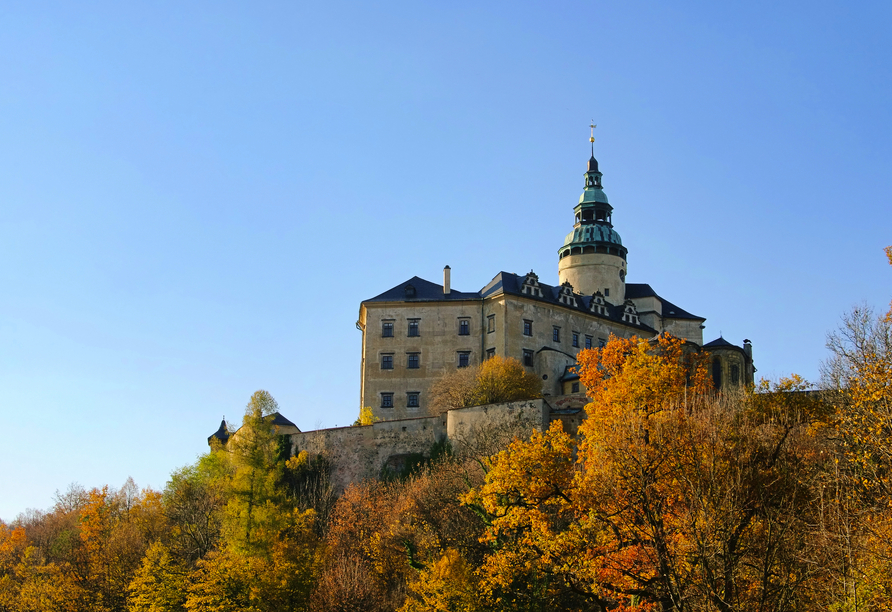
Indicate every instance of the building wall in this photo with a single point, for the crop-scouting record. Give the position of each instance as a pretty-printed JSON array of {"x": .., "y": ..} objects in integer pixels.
[
  {"x": 438, "y": 345},
  {"x": 590, "y": 272},
  {"x": 732, "y": 368}
]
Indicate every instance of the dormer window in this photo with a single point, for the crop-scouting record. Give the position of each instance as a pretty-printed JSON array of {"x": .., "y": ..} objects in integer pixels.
[
  {"x": 410, "y": 291},
  {"x": 566, "y": 296},
  {"x": 598, "y": 306},
  {"x": 630, "y": 313},
  {"x": 531, "y": 285}
]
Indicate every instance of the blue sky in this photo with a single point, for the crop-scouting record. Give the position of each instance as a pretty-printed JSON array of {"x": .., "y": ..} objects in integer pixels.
[{"x": 195, "y": 197}]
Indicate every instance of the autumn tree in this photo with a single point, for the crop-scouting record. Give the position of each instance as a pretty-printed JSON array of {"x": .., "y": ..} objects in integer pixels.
[
  {"x": 857, "y": 527},
  {"x": 498, "y": 379},
  {"x": 672, "y": 499}
]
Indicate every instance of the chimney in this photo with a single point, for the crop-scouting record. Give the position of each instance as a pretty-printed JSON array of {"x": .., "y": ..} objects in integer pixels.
[
  {"x": 446, "y": 280},
  {"x": 748, "y": 349}
]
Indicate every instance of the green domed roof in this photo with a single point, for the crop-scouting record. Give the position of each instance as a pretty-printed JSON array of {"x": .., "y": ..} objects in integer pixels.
[
  {"x": 596, "y": 232},
  {"x": 593, "y": 194}
]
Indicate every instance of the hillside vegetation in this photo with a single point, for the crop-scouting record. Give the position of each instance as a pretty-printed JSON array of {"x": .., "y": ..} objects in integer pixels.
[{"x": 669, "y": 497}]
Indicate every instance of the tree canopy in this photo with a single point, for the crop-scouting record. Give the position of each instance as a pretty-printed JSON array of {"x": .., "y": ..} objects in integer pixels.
[{"x": 496, "y": 380}]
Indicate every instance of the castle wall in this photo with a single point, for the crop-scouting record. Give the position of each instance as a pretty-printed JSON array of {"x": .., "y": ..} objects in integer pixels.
[
  {"x": 438, "y": 345},
  {"x": 469, "y": 427},
  {"x": 360, "y": 453}
]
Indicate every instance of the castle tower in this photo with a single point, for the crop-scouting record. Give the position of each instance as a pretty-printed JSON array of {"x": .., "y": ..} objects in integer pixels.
[{"x": 593, "y": 257}]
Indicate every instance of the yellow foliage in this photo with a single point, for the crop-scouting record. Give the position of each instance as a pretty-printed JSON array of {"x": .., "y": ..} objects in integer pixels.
[
  {"x": 496, "y": 380},
  {"x": 366, "y": 417},
  {"x": 448, "y": 585}
]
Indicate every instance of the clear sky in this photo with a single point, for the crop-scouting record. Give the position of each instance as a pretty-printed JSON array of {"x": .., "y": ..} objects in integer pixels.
[{"x": 195, "y": 197}]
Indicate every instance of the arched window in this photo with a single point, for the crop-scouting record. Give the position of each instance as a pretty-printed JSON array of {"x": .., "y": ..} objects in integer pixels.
[{"x": 717, "y": 373}]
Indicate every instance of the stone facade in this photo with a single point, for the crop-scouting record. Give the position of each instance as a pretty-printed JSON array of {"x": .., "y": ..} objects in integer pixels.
[
  {"x": 418, "y": 331},
  {"x": 361, "y": 453}
]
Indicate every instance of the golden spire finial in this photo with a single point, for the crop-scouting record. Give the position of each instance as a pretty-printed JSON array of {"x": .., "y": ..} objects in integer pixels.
[{"x": 592, "y": 137}]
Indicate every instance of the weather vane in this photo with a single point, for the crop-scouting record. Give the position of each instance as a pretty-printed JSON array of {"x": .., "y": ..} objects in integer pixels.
[{"x": 592, "y": 137}]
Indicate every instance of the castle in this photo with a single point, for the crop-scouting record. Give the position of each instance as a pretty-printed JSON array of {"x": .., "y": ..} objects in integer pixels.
[{"x": 417, "y": 331}]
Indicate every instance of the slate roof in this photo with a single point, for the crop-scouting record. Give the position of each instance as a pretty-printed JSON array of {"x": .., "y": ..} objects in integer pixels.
[
  {"x": 222, "y": 434},
  {"x": 281, "y": 421},
  {"x": 721, "y": 343},
  {"x": 511, "y": 284},
  {"x": 670, "y": 310},
  {"x": 425, "y": 291}
]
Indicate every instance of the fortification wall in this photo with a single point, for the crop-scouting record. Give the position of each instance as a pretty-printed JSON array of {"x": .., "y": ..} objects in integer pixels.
[
  {"x": 478, "y": 428},
  {"x": 360, "y": 453}
]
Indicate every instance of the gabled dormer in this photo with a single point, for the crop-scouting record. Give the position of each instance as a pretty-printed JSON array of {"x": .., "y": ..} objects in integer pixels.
[
  {"x": 598, "y": 306},
  {"x": 531, "y": 285},
  {"x": 630, "y": 313},
  {"x": 566, "y": 296}
]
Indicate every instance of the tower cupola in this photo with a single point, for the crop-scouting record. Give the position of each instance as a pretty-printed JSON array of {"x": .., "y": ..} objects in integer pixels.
[{"x": 593, "y": 257}]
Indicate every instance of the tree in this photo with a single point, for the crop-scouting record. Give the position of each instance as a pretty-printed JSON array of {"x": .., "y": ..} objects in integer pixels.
[
  {"x": 672, "y": 499},
  {"x": 858, "y": 529},
  {"x": 253, "y": 513},
  {"x": 498, "y": 379}
]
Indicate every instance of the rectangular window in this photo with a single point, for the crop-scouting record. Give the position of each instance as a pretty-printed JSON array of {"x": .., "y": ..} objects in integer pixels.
[
  {"x": 413, "y": 360},
  {"x": 412, "y": 399},
  {"x": 464, "y": 359},
  {"x": 576, "y": 339},
  {"x": 735, "y": 374},
  {"x": 607, "y": 292},
  {"x": 528, "y": 358},
  {"x": 490, "y": 353},
  {"x": 413, "y": 328},
  {"x": 387, "y": 329},
  {"x": 387, "y": 362},
  {"x": 464, "y": 327},
  {"x": 490, "y": 324},
  {"x": 602, "y": 343},
  {"x": 527, "y": 327},
  {"x": 387, "y": 400},
  {"x": 556, "y": 334},
  {"x": 588, "y": 342},
  {"x": 575, "y": 387}
]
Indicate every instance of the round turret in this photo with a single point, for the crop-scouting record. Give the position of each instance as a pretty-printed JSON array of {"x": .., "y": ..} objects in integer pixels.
[{"x": 593, "y": 257}]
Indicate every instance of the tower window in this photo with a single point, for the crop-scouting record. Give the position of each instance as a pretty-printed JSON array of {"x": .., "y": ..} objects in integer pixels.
[
  {"x": 412, "y": 399},
  {"x": 528, "y": 358},
  {"x": 387, "y": 362},
  {"x": 413, "y": 328},
  {"x": 527, "y": 327},
  {"x": 490, "y": 324},
  {"x": 464, "y": 359},
  {"x": 576, "y": 339},
  {"x": 735, "y": 374},
  {"x": 717, "y": 373},
  {"x": 387, "y": 329},
  {"x": 464, "y": 327},
  {"x": 606, "y": 294},
  {"x": 387, "y": 400},
  {"x": 413, "y": 360},
  {"x": 556, "y": 334}
]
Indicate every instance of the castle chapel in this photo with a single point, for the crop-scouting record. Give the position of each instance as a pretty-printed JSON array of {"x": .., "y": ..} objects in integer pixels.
[{"x": 418, "y": 331}]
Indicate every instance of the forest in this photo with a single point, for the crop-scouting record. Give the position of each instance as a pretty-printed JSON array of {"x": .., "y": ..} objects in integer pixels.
[{"x": 670, "y": 497}]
